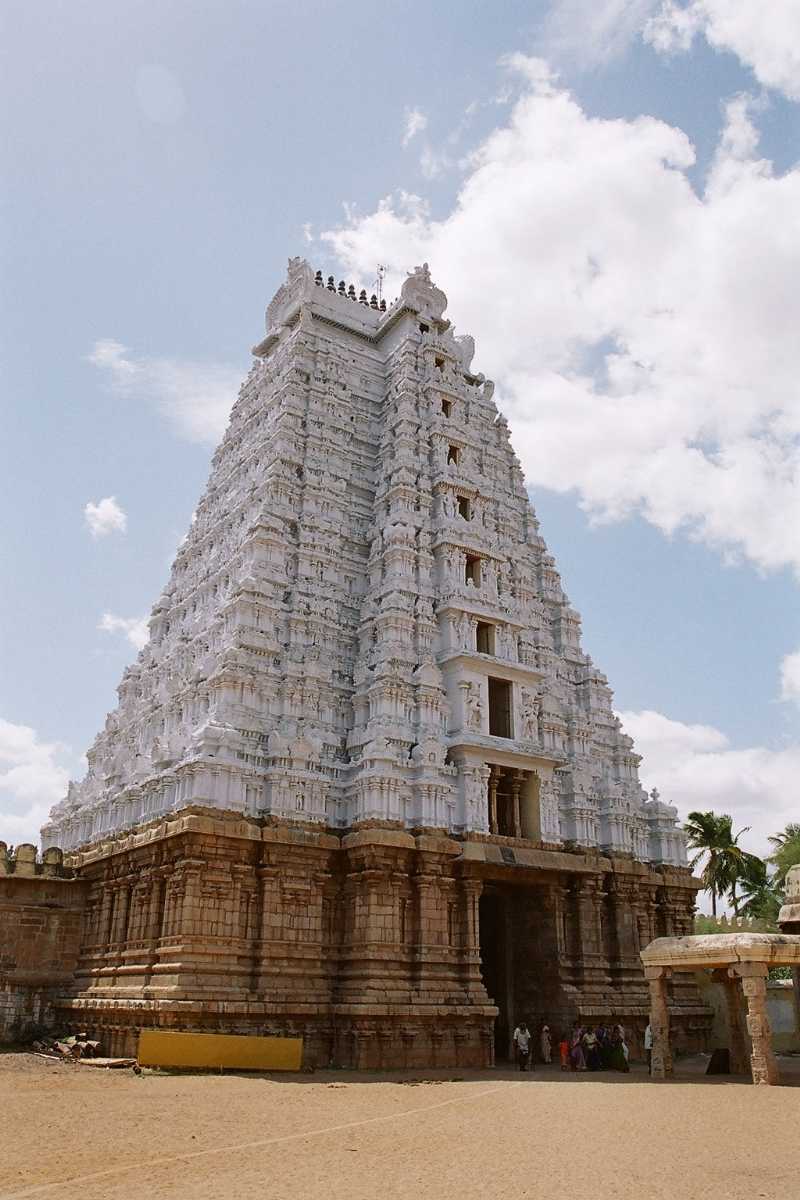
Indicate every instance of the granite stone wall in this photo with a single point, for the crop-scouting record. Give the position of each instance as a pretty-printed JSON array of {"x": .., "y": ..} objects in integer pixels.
[
  {"x": 41, "y": 909},
  {"x": 374, "y": 946}
]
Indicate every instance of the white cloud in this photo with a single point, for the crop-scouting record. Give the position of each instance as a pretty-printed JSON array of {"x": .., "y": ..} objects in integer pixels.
[
  {"x": 592, "y": 32},
  {"x": 694, "y": 767},
  {"x": 642, "y": 335},
  {"x": 32, "y": 779},
  {"x": 763, "y": 34},
  {"x": 790, "y": 677},
  {"x": 105, "y": 517},
  {"x": 415, "y": 122},
  {"x": 434, "y": 163},
  {"x": 135, "y": 629},
  {"x": 195, "y": 397}
]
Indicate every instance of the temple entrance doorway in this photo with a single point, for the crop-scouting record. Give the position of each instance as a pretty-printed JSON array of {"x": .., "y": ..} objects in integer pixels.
[{"x": 496, "y": 950}]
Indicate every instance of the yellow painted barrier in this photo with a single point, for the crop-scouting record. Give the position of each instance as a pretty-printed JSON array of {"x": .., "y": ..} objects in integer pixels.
[{"x": 162, "y": 1048}]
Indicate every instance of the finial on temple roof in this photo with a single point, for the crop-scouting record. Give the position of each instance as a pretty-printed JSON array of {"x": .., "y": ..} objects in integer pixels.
[{"x": 420, "y": 293}]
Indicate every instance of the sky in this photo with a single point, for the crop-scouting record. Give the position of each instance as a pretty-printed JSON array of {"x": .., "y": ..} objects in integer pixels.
[{"x": 609, "y": 193}]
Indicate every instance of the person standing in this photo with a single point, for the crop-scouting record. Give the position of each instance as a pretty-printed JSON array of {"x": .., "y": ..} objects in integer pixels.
[
  {"x": 522, "y": 1045},
  {"x": 546, "y": 1044},
  {"x": 619, "y": 1050},
  {"x": 591, "y": 1050},
  {"x": 648, "y": 1048},
  {"x": 577, "y": 1060}
]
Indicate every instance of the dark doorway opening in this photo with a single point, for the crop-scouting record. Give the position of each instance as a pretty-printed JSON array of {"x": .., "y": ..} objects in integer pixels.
[
  {"x": 484, "y": 637},
  {"x": 495, "y": 949},
  {"x": 500, "y": 708}
]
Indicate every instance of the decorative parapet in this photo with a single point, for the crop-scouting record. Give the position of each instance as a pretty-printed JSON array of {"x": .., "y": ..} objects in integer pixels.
[{"x": 24, "y": 860}]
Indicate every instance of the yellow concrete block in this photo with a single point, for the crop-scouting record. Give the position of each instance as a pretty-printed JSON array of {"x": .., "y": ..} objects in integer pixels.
[{"x": 162, "y": 1048}]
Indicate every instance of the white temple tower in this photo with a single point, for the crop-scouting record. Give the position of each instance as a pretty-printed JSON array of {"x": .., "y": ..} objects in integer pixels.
[{"x": 363, "y": 623}]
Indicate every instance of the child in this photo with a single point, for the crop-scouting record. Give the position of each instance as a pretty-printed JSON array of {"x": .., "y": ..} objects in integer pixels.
[{"x": 563, "y": 1050}]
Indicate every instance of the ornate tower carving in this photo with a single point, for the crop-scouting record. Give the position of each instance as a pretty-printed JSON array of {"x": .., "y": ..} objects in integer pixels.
[{"x": 363, "y": 624}]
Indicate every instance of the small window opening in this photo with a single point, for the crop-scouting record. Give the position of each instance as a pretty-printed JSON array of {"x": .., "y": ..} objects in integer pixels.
[
  {"x": 472, "y": 570},
  {"x": 447, "y": 406},
  {"x": 464, "y": 508},
  {"x": 423, "y": 328},
  {"x": 439, "y": 363},
  {"x": 453, "y": 455},
  {"x": 500, "y": 708},
  {"x": 484, "y": 638}
]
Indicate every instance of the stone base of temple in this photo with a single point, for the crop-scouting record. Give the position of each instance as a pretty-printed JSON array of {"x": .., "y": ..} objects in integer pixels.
[{"x": 381, "y": 948}]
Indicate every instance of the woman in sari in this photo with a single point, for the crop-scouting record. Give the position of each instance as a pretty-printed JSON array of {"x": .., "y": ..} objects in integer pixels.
[
  {"x": 545, "y": 1044},
  {"x": 591, "y": 1048},
  {"x": 619, "y": 1051},
  {"x": 577, "y": 1061}
]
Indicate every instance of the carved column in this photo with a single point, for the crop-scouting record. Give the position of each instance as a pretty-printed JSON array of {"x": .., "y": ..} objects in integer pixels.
[
  {"x": 472, "y": 889},
  {"x": 106, "y": 921},
  {"x": 493, "y": 782},
  {"x": 754, "y": 986},
  {"x": 587, "y": 898},
  {"x": 661, "y": 1061},
  {"x": 737, "y": 1045},
  {"x": 120, "y": 933},
  {"x": 625, "y": 927},
  {"x": 516, "y": 786}
]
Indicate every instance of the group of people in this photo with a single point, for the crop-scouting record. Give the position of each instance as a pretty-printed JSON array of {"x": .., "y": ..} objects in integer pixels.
[{"x": 584, "y": 1048}]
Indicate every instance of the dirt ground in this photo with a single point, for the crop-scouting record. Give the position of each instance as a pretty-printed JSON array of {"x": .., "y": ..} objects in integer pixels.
[{"x": 68, "y": 1131}]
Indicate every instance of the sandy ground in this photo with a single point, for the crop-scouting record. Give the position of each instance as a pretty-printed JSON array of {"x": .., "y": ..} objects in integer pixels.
[{"x": 68, "y": 1131}]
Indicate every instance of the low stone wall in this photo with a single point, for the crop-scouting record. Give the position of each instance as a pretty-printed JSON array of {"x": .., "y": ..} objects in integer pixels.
[
  {"x": 41, "y": 911},
  {"x": 780, "y": 1010},
  {"x": 781, "y": 1013}
]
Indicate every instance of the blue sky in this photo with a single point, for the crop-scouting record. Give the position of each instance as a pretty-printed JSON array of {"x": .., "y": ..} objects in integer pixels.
[{"x": 609, "y": 194}]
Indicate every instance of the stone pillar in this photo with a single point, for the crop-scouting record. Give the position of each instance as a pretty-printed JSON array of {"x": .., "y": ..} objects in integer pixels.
[
  {"x": 516, "y": 785},
  {"x": 471, "y": 890},
  {"x": 661, "y": 1061},
  {"x": 737, "y": 1047},
  {"x": 754, "y": 986},
  {"x": 493, "y": 782},
  {"x": 626, "y": 934},
  {"x": 120, "y": 931}
]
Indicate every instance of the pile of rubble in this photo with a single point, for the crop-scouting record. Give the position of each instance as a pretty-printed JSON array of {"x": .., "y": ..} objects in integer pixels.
[
  {"x": 79, "y": 1048},
  {"x": 75, "y": 1046}
]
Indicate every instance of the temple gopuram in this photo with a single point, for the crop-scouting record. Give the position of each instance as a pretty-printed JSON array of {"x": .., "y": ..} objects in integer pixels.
[{"x": 362, "y": 784}]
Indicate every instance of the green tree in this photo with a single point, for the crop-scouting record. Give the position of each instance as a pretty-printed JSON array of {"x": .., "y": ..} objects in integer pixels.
[
  {"x": 762, "y": 900},
  {"x": 786, "y": 852},
  {"x": 726, "y": 862}
]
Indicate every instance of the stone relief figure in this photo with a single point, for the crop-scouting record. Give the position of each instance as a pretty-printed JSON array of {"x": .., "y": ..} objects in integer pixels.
[
  {"x": 473, "y": 707},
  {"x": 530, "y": 711},
  {"x": 474, "y": 797}
]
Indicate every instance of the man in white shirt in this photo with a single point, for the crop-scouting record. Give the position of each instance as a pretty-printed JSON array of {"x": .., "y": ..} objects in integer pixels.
[
  {"x": 522, "y": 1045},
  {"x": 648, "y": 1048}
]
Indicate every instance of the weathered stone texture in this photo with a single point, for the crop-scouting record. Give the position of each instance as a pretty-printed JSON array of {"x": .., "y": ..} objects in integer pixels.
[
  {"x": 368, "y": 944},
  {"x": 41, "y": 908}
]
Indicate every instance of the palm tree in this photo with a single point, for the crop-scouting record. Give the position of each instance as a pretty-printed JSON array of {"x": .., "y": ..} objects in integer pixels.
[
  {"x": 727, "y": 864},
  {"x": 762, "y": 900},
  {"x": 786, "y": 852},
  {"x": 706, "y": 834}
]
